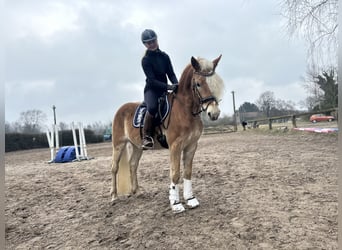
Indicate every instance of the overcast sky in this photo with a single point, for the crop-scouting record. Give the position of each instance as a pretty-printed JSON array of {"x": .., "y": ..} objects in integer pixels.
[{"x": 84, "y": 57}]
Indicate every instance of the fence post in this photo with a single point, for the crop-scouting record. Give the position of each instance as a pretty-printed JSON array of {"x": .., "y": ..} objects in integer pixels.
[
  {"x": 270, "y": 123},
  {"x": 294, "y": 123},
  {"x": 255, "y": 124}
]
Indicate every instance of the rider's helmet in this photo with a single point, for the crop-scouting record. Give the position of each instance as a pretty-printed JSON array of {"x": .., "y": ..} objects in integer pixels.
[{"x": 148, "y": 35}]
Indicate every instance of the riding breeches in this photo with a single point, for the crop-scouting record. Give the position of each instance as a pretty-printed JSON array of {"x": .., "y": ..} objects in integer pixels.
[{"x": 151, "y": 100}]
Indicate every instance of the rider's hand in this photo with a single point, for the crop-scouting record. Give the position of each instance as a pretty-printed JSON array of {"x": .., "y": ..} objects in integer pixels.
[{"x": 172, "y": 87}]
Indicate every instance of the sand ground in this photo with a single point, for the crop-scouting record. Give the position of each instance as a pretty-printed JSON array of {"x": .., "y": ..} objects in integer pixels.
[{"x": 256, "y": 190}]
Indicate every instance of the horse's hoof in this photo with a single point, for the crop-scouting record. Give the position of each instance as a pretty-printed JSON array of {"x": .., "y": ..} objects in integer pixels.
[
  {"x": 192, "y": 203},
  {"x": 114, "y": 199},
  {"x": 177, "y": 208}
]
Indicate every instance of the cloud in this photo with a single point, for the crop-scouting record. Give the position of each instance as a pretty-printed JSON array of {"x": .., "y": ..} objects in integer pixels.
[
  {"x": 43, "y": 21},
  {"x": 85, "y": 56}
]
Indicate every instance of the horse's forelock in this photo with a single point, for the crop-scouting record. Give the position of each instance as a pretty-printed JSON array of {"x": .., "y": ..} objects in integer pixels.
[
  {"x": 215, "y": 82},
  {"x": 206, "y": 65},
  {"x": 216, "y": 85}
]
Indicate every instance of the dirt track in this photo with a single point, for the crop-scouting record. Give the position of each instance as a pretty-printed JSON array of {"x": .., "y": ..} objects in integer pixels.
[{"x": 256, "y": 191}]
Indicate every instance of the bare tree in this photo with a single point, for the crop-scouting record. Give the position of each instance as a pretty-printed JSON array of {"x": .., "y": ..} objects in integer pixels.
[
  {"x": 314, "y": 92},
  {"x": 63, "y": 126},
  {"x": 32, "y": 120},
  {"x": 8, "y": 128},
  {"x": 284, "y": 107},
  {"x": 266, "y": 102},
  {"x": 317, "y": 22},
  {"x": 99, "y": 127}
]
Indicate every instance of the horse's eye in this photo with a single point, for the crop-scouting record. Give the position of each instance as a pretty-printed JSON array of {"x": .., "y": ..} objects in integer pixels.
[{"x": 198, "y": 85}]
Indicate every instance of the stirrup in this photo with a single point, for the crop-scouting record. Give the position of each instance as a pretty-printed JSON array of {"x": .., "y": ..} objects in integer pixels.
[{"x": 147, "y": 142}]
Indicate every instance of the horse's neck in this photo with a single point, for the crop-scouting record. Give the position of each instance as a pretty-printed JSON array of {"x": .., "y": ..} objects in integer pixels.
[{"x": 186, "y": 101}]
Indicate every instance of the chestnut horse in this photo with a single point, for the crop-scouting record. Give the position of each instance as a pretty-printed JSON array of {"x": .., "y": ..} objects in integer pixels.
[{"x": 200, "y": 89}]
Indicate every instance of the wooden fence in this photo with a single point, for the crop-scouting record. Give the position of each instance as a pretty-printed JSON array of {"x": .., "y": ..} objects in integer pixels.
[{"x": 293, "y": 117}]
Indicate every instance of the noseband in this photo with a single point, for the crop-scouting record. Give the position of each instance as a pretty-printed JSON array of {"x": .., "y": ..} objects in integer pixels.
[{"x": 202, "y": 100}]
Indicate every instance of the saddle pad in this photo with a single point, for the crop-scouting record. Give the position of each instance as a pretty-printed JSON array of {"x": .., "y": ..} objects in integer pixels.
[{"x": 138, "y": 118}]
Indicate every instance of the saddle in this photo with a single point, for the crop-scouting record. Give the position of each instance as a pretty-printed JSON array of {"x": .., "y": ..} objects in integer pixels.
[{"x": 163, "y": 111}]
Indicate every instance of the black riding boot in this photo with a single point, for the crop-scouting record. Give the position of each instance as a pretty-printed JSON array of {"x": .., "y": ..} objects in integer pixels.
[{"x": 148, "y": 132}]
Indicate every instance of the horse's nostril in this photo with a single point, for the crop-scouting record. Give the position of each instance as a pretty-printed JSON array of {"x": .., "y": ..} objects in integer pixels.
[{"x": 209, "y": 114}]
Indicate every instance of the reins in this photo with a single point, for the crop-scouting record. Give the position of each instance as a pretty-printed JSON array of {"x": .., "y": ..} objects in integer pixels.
[{"x": 170, "y": 112}]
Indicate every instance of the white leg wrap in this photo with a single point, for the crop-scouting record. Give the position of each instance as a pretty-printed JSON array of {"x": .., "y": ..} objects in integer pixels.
[
  {"x": 187, "y": 191},
  {"x": 191, "y": 201},
  {"x": 174, "y": 194},
  {"x": 176, "y": 206}
]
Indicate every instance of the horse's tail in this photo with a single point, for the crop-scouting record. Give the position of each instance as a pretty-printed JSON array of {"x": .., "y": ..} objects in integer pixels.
[
  {"x": 126, "y": 151},
  {"x": 123, "y": 177}
]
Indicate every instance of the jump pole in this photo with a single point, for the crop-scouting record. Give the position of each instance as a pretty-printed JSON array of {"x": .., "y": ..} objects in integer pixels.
[
  {"x": 82, "y": 154},
  {"x": 82, "y": 141},
  {"x": 51, "y": 140},
  {"x": 75, "y": 141}
]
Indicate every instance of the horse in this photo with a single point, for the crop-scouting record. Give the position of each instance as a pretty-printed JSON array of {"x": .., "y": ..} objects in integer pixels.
[{"x": 200, "y": 90}]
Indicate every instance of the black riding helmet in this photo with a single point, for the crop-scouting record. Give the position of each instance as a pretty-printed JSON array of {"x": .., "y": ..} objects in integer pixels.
[{"x": 148, "y": 35}]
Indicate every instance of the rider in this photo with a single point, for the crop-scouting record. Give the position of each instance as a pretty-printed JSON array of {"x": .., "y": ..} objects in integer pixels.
[{"x": 157, "y": 67}]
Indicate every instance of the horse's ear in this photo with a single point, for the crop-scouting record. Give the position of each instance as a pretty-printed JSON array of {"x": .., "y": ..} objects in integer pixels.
[
  {"x": 216, "y": 61},
  {"x": 195, "y": 64}
]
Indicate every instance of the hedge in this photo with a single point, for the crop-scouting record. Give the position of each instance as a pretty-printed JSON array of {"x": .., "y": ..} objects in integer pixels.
[{"x": 19, "y": 141}]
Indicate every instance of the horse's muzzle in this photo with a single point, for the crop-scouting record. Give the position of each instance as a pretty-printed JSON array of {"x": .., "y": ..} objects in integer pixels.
[{"x": 214, "y": 116}]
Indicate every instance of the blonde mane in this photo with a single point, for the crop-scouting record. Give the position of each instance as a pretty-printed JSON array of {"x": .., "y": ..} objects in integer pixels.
[{"x": 214, "y": 81}]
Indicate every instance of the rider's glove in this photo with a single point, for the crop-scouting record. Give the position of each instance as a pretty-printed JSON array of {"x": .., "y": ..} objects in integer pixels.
[{"x": 172, "y": 87}]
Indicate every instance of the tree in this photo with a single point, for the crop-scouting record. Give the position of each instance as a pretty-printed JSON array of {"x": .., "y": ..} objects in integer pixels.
[
  {"x": 266, "y": 102},
  {"x": 248, "y": 107},
  {"x": 63, "y": 126},
  {"x": 327, "y": 83},
  {"x": 99, "y": 127},
  {"x": 322, "y": 90},
  {"x": 284, "y": 107},
  {"x": 315, "y": 93},
  {"x": 248, "y": 111},
  {"x": 317, "y": 22},
  {"x": 31, "y": 121},
  {"x": 8, "y": 128}
]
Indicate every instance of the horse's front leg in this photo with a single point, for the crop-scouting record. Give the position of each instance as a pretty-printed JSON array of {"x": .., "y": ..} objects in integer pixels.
[
  {"x": 188, "y": 156},
  {"x": 175, "y": 155}
]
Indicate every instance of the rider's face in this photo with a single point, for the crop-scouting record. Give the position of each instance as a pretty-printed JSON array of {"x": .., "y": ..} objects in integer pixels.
[{"x": 152, "y": 45}]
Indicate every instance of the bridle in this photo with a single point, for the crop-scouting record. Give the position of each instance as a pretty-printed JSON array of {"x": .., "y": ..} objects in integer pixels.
[{"x": 202, "y": 100}]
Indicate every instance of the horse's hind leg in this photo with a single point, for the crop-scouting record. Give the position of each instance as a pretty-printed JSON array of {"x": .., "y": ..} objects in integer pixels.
[
  {"x": 134, "y": 163},
  {"x": 117, "y": 153},
  {"x": 188, "y": 156}
]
